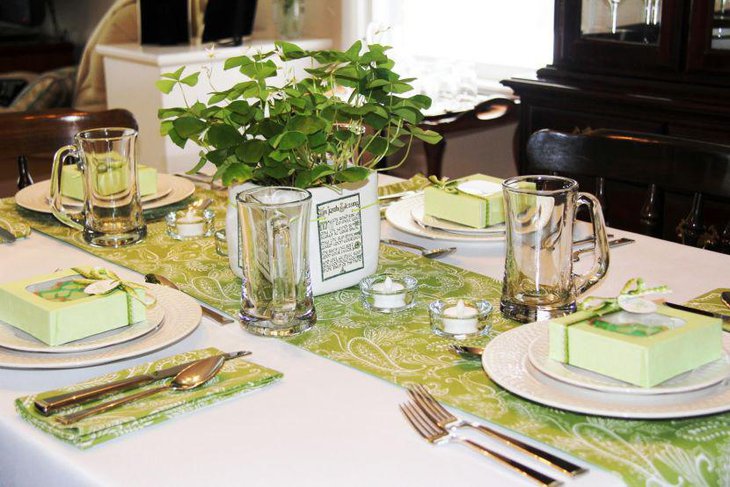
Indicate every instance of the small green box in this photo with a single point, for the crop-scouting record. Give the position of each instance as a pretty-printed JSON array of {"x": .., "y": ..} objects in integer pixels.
[
  {"x": 687, "y": 341},
  {"x": 55, "y": 310},
  {"x": 72, "y": 184},
  {"x": 464, "y": 208}
]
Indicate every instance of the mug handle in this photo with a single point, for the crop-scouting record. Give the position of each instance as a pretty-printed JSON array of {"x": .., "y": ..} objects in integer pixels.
[
  {"x": 583, "y": 282},
  {"x": 72, "y": 219}
]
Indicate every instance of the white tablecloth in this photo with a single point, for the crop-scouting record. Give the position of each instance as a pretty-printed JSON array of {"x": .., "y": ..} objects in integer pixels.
[{"x": 323, "y": 424}]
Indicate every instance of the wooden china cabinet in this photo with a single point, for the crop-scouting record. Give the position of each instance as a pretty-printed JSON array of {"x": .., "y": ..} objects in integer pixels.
[
  {"x": 657, "y": 66},
  {"x": 665, "y": 69}
]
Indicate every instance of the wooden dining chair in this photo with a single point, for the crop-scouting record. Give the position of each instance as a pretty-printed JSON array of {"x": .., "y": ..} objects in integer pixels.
[
  {"x": 35, "y": 136},
  {"x": 492, "y": 113},
  {"x": 662, "y": 186}
]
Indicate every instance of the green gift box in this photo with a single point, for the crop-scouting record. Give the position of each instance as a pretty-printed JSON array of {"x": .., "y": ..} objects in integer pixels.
[
  {"x": 475, "y": 201},
  {"x": 641, "y": 349},
  {"x": 108, "y": 182},
  {"x": 56, "y": 310}
]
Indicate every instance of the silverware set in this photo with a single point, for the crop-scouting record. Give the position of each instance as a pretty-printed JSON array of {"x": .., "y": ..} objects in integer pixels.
[
  {"x": 184, "y": 377},
  {"x": 437, "y": 425}
]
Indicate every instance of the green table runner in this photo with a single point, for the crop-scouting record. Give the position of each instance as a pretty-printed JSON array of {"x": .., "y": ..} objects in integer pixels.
[
  {"x": 401, "y": 349},
  {"x": 237, "y": 376}
]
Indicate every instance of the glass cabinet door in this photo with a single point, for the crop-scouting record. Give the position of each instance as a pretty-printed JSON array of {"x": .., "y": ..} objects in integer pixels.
[
  {"x": 626, "y": 21},
  {"x": 721, "y": 25}
]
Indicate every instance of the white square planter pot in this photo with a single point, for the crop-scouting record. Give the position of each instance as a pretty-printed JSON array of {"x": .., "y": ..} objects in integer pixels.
[{"x": 344, "y": 234}]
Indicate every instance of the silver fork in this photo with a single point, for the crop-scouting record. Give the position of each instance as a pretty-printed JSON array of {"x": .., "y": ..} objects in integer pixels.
[
  {"x": 443, "y": 418},
  {"x": 436, "y": 435}
]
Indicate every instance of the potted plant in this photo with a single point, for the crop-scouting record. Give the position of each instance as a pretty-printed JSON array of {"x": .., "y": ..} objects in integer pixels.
[{"x": 324, "y": 133}]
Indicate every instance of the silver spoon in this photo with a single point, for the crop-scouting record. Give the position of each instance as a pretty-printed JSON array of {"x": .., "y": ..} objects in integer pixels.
[
  {"x": 201, "y": 205},
  {"x": 467, "y": 351},
  {"x": 219, "y": 318},
  {"x": 428, "y": 253},
  {"x": 190, "y": 377}
]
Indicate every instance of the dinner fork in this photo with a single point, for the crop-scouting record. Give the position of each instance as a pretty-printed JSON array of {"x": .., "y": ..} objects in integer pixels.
[
  {"x": 436, "y": 435},
  {"x": 443, "y": 418}
]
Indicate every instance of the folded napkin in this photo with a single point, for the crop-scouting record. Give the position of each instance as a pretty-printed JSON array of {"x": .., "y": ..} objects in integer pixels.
[
  {"x": 236, "y": 376},
  {"x": 417, "y": 182},
  {"x": 711, "y": 301},
  {"x": 18, "y": 228}
]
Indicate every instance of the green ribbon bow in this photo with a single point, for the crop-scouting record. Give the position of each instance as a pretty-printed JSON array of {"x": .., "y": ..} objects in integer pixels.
[
  {"x": 99, "y": 280},
  {"x": 444, "y": 184}
]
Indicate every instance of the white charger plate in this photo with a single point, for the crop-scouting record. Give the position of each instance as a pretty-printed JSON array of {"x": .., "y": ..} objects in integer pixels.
[
  {"x": 699, "y": 378},
  {"x": 400, "y": 215},
  {"x": 15, "y": 339},
  {"x": 35, "y": 196},
  {"x": 506, "y": 361},
  {"x": 181, "y": 317}
]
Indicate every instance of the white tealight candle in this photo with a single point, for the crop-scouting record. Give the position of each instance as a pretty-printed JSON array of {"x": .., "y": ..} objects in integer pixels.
[
  {"x": 460, "y": 319},
  {"x": 393, "y": 294},
  {"x": 190, "y": 225}
]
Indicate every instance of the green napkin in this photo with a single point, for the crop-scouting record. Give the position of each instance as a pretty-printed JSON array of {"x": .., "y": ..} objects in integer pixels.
[
  {"x": 419, "y": 181},
  {"x": 236, "y": 376},
  {"x": 19, "y": 228},
  {"x": 711, "y": 301}
]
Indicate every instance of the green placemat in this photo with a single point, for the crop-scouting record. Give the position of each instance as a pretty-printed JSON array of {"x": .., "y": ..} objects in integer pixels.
[
  {"x": 237, "y": 376},
  {"x": 401, "y": 349},
  {"x": 711, "y": 301}
]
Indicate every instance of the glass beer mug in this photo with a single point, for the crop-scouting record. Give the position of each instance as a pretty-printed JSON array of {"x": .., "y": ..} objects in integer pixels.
[
  {"x": 111, "y": 215},
  {"x": 539, "y": 282},
  {"x": 276, "y": 295}
]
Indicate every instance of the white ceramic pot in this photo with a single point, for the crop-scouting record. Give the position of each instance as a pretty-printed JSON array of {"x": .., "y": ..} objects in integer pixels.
[{"x": 344, "y": 234}]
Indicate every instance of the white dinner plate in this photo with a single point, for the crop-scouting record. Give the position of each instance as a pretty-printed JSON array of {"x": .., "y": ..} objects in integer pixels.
[
  {"x": 418, "y": 213},
  {"x": 15, "y": 339},
  {"x": 400, "y": 215},
  {"x": 699, "y": 378},
  {"x": 181, "y": 316},
  {"x": 35, "y": 196},
  {"x": 506, "y": 361}
]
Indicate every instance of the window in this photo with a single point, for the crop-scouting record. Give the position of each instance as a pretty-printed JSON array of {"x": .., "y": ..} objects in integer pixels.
[{"x": 500, "y": 38}]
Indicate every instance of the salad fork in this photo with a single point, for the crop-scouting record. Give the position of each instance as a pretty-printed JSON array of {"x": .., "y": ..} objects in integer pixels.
[
  {"x": 443, "y": 418},
  {"x": 436, "y": 435}
]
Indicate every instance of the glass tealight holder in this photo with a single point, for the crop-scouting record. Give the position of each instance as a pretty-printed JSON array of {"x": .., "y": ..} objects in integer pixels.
[
  {"x": 386, "y": 293},
  {"x": 190, "y": 224},
  {"x": 459, "y": 318}
]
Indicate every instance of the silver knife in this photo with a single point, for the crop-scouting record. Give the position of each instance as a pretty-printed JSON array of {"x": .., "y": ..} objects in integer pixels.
[
  {"x": 7, "y": 236},
  {"x": 49, "y": 405},
  {"x": 702, "y": 312}
]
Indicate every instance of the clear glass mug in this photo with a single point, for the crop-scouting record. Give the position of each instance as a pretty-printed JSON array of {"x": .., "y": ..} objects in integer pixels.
[
  {"x": 111, "y": 215},
  {"x": 276, "y": 295},
  {"x": 539, "y": 282}
]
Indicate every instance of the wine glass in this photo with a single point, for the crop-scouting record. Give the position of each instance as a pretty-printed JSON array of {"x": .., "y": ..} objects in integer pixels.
[{"x": 613, "y": 5}]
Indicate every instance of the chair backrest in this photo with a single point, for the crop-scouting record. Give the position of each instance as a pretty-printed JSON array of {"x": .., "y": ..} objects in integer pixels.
[
  {"x": 646, "y": 182},
  {"x": 38, "y": 135}
]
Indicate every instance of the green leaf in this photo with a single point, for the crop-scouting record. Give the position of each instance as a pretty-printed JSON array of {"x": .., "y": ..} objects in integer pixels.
[
  {"x": 354, "y": 51},
  {"x": 421, "y": 101},
  {"x": 187, "y": 126},
  {"x": 278, "y": 171},
  {"x": 428, "y": 136},
  {"x": 217, "y": 97},
  {"x": 201, "y": 162},
  {"x": 410, "y": 115},
  {"x": 289, "y": 140},
  {"x": 218, "y": 156},
  {"x": 174, "y": 76},
  {"x": 306, "y": 124},
  {"x": 165, "y": 127},
  {"x": 352, "y": 174},
  {"x": 169, "y": 112},
  {"x": 375, "y": 121},
  {"x": 223, "y": 136},
  {"x": 234, "y": 62},
  {"x": 191, "y": 80},
  {"x": 176, "y": 139},
  {"x": 321, "y": 171},
  {"x": 165, "y": 85},
  {"x": 290, "y": 51},
  {"x": 251, "y": 150},
  {"x": 238, "y": 173}
]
